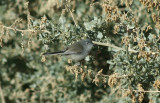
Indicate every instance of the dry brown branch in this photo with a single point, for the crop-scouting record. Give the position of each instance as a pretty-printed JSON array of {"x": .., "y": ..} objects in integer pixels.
[
  {"x": 118, "y": 48},
  {"x": 143, "y": 91},
  {"x": 113, "y": 46},
  {"x": 119, "y": 77},
  {"x": 67, "y": 7},
  {"x": 28, "y": 30},
  {"x": 73, "y": 17}
]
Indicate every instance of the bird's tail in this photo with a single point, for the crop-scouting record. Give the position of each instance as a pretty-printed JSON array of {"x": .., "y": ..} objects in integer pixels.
[{"x": 53, "y": 53}]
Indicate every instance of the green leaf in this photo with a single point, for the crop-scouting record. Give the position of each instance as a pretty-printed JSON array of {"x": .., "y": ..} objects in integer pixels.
[{"x": 100, "y": 36}]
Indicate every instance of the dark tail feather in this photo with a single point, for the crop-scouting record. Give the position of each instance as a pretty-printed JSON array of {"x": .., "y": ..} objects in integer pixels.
[{"x": 53, "y": 53}]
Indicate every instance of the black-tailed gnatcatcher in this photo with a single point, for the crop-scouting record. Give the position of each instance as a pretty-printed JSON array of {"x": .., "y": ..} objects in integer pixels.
[{"x": 77, "y": 51}]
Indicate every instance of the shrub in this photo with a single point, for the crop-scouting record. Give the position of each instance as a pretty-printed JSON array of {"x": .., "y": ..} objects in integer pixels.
[{"x": 124, "y": 66}]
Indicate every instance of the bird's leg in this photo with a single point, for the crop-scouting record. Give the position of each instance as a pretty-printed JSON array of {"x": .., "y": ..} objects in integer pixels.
[{"x": 80, "y": 63}]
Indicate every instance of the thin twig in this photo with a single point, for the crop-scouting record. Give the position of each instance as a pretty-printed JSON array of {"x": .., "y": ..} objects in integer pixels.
[
  {"x": 71, "y": 15},
  {"x": 143, "y": 91},
  {"x": 73, "y": 18},
  {"x": 28, "y": 30},
  {"x": 1, "y": 94},
  {"x": 113, "y": 46},
  {"x": 28, "y": 15},
  {"x": 119, "y": 48},
  {"x": 123, "y": 76}
]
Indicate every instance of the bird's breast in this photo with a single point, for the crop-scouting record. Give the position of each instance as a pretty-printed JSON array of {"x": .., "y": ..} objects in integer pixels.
[{"x": 77, "y": 57}]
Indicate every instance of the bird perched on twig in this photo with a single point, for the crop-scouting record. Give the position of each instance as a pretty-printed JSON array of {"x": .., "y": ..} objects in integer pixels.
[{"x": 77, "y": 51}]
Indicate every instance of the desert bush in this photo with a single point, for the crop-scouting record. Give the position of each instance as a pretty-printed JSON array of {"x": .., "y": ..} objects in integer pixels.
[{"x": 124, "y": 66}]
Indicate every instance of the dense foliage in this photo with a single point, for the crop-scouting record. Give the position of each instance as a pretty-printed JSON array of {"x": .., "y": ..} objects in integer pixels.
[{"x": 123, "y": 67}]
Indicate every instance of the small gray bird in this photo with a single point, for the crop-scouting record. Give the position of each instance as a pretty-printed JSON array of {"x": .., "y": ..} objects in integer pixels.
[{"x": 77, "y": 51}]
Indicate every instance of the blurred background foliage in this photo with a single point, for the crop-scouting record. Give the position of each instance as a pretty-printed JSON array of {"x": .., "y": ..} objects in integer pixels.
[{"x": 29, "y": 28}]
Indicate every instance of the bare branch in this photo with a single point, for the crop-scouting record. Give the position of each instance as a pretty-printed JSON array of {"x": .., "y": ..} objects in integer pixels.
[
  {"x": 118, "y": 48},
  {"x": 143, "y": 91},
  {"x": 28, "y": 30}
]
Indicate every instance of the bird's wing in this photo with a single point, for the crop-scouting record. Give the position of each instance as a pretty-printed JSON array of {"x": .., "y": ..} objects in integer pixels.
[{"x": 74, "y": 49}]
